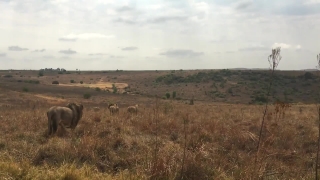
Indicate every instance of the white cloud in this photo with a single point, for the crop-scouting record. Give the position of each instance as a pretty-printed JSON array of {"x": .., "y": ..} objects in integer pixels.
[
  {"x": 254, "y": 47},
  {"x": 311, "y": 2},
  {"x": 85, "y": 36},
  {"x": 186, "y": 33},
  {"x": 282, "y": 45}
]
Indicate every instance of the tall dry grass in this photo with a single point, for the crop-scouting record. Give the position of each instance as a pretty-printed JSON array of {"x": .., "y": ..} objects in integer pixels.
[{"x": 214, "y": 142}]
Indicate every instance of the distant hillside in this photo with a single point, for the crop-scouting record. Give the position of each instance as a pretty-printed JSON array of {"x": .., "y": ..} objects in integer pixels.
[
  {"x": 229, "y": 86},
  {"x": 245, "y": 86}
]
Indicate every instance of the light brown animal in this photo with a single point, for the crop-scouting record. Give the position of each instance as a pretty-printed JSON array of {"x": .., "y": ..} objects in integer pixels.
[
  {"x": 65, "y": 116},
  {"x": 114, "y": 109},
  {"x": 133, "y": 109}
]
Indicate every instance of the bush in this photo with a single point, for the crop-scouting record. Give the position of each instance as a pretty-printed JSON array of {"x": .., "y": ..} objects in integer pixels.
[
  {"x": 87, "y": 96},
  {"x": 8, "y": 76},
  {"x": 167, "y": 95},
  {"x": 261, "y": 98},
  {"x": 114, "y": 88},
  {"x": 98, "y": 89},
  {"x": 174, "y": 94},
  {"x": 72, "y": 81},
  {"x": 25, "y": 89},
  {"x": 55, "y": 82},
  {"x": 40, "y": 73},
  {"x": 81, "y": 82}
]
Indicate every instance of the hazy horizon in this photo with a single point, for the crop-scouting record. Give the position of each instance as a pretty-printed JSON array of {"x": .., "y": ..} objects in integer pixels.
[{"x": 158, "y": 35}]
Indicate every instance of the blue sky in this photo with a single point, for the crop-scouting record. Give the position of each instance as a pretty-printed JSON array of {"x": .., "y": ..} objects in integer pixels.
[{"x": 157, "y": 34}]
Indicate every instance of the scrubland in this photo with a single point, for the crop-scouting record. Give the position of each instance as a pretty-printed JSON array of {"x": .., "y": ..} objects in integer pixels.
[{"x": 166, "y": 140}]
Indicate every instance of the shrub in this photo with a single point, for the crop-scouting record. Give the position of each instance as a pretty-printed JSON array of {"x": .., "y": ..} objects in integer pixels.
[
  {"x": 167, "y": 95},
  {"x": 98, "y": 89},
  {"x": 174, "y": 94},
  {"x": 25, "y": 89},
  {"x": 72, "y": 81},
  {"x": 8, "y": 76},
  {"x": 87, "y": 96},
  {"x": 55, "y": 82},
  {"x": 114, "y": 88},
  {"x": 81, "y": 82},
  {"x": 261, "y": 98},
  {"x": 40, "y": 73}
]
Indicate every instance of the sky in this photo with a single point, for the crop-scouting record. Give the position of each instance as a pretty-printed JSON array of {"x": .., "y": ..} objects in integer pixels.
[{"x": 158, "y": 34}]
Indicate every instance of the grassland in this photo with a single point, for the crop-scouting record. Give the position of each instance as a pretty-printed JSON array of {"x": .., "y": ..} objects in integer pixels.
[{"x": 168, "y": 139}]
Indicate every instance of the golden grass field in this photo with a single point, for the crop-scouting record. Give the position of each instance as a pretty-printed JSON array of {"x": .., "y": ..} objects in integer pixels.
[
  {"x": 220, "y": 143},
  {"x": 168, "y": 139}
]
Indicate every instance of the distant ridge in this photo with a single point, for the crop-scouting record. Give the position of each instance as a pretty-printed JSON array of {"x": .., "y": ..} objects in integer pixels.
[{"x": 309, "y": 70}]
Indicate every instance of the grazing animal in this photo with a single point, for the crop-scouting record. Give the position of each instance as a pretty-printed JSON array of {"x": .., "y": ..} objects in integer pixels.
[
  {"x": 114, "y": 109},
  {"x": 96, "y": 109},
  {"x": 65, "y": 116},
  {"x": 133, "y": 109}
]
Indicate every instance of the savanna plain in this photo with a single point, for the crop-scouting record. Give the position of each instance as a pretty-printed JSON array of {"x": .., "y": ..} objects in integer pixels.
[{"x": 191, "y": 124}]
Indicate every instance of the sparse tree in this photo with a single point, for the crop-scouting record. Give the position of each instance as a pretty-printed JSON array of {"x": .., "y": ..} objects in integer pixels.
[
  {"x": 274, "y": 60},
  {"x": 318, "y": 148}
]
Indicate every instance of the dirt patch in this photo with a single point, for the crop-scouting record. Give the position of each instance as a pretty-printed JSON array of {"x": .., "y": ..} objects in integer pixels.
[
  {"x": 50, "y": 98},
  {"x": 101, "y": 85}
]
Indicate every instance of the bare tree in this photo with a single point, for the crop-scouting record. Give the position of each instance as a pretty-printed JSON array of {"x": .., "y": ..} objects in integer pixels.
[
  {"x": 317, "y": 158},
  {"x": 274, "y": 60}
]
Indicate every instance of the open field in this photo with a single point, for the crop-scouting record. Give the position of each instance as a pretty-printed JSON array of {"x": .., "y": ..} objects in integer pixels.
[{"x": 168, "y": 139}]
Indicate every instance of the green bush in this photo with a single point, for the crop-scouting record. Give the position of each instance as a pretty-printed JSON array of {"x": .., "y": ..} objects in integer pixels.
[
  {"x": 8, "y": 76},
  {"x": 87, "y": 96},
  {"x": 167, "y": 95},
  {"x": 72, "y": 81},
  {"x": 174, "y": 94},
  {"x": 81, "y": 82},
  {"x": 114, "y": 88},
  {"x": 25, "y": 89},
  {"x": 40, "y": 73}
]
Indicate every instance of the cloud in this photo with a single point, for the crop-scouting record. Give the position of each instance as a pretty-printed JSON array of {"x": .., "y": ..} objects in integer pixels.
[
  {"x": 183, "y": 53},
  {"x": 242, "y": 5},
  {"x": 40, "y": 50},
  {"x": 85, "y": 36},
  {"x": 16, "y": 48},
  {"x": 298, "y": 47},
  {"x": 97, "y": 54},
  {"x": 311, "y": 2},
  {"x": 130, "y": 48},
  {"x": 125, "y": 21},
  {"x": 164, "y": 19},
  {"x": 125, "y": 9},
  {"x": 3, "y": 54},
  {"x": 116, "y": 57},
  {"x": 254, "y": 48},
  {"x": 299, "y": 8},
  {"x": 48, "y": 57},
  {"x": 69, "y": 51},
  {"x": 286, "y": 46},
  {"x": 65, "y": 57},
  {"x": 68, "y": 39}
]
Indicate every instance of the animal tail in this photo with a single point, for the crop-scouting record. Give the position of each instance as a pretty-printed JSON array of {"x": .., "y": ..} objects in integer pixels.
[{"x": 52, "y": 124}]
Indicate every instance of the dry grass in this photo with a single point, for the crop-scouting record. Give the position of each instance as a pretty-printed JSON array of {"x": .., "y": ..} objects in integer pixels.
[{"x": 220, "y": 143}]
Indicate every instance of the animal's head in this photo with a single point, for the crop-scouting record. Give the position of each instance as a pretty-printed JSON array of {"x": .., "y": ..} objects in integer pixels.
[{"x": 78, "y": 107}]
